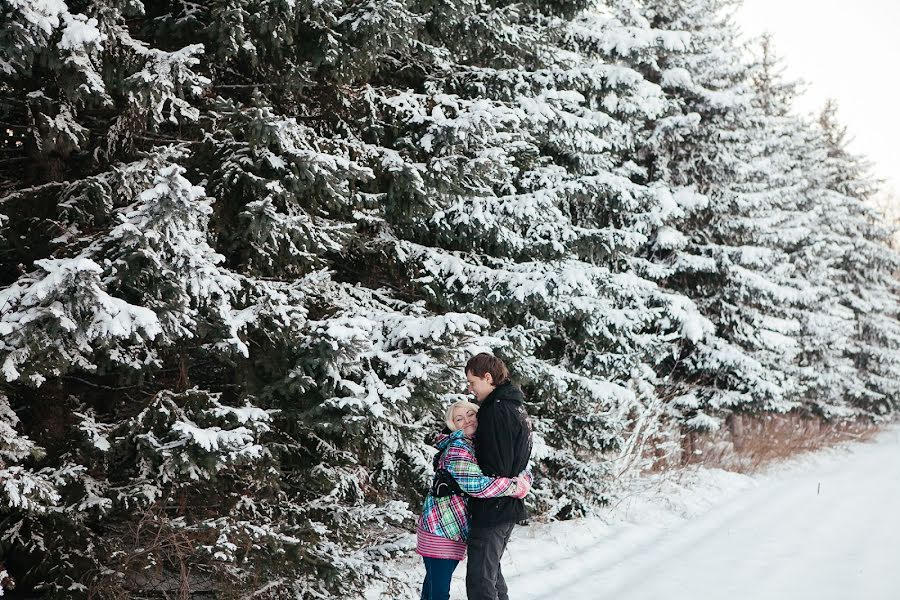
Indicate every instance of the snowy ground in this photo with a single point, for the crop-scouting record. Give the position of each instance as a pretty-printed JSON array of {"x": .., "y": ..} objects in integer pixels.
[{"x": 822, "y": 527}]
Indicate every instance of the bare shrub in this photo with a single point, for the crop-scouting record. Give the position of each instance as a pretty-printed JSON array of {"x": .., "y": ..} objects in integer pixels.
[{"x": 748, "y": 443}]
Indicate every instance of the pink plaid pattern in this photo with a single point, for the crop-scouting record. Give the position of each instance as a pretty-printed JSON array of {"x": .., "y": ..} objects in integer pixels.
[
  {"x": 448, "y": 517},
  {"x": 434, "y": 546}
]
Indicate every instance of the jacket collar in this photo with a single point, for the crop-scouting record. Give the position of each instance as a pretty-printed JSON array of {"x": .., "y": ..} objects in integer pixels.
[
  {"x": 505, "y": 391},
  {"x": 443, "y": 440}
]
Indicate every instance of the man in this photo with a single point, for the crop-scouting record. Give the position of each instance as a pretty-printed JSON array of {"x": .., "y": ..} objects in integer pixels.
[{"x": 502, "y": 448}]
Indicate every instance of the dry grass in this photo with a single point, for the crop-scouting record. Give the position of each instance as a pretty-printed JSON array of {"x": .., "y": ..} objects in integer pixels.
[
  {"x": 749, "y": 443},
  {"x": 153, "y": 559}
]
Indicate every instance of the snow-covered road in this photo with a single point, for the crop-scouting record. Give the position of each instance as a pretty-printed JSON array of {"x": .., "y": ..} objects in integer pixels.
[{"x": 823, "y": 527}]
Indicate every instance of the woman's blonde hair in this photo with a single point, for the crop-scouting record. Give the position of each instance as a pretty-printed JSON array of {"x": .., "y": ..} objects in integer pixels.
[{"x": 448, "y": 416}]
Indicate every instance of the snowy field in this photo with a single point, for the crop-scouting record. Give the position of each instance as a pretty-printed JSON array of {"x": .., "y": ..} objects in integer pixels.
[{"x": 820, "y": 527}]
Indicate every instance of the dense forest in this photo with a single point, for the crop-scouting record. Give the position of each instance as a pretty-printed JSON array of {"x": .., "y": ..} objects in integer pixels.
[{"x": 246, "y": 247}]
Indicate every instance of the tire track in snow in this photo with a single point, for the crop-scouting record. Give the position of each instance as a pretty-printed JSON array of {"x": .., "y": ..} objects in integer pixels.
[{"x": 780, "y": 539}]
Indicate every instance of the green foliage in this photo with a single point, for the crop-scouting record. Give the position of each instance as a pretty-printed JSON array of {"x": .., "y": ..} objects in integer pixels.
[{"x": 246, "y": 247}]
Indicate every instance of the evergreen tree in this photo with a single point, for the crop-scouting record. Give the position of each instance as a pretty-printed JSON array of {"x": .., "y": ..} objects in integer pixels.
[
  {"x": 721, "y": 145},
  {"x": 533, "y": 220},
  {"x": 849, "y": 256},
  {"x": 248, "y": 245}
]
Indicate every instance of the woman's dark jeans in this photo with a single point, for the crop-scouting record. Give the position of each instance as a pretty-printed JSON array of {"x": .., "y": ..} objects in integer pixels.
[{"x": 438, "y": 572}]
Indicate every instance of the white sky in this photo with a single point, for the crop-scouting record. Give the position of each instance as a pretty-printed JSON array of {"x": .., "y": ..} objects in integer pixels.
[{"x": 846, "y": 50}]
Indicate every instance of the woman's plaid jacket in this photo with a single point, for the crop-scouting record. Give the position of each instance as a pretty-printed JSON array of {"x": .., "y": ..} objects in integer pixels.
[{"x": 448, "y": 516}]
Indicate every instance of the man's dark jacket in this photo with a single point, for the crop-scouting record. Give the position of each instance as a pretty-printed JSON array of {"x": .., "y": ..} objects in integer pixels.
[{"x": 502, "y": 448}]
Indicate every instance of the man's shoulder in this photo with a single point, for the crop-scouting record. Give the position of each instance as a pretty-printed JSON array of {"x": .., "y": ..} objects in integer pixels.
[
  {"x": 511, "y": 415},
  {"x": 510, "y": 392}
]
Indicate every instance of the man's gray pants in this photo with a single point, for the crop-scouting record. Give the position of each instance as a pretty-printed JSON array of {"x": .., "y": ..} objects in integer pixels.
[{"x": 484, "y": 579}]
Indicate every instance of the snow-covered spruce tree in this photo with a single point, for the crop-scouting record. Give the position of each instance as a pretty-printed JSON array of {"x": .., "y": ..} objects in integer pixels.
[
  {"x": 620, "y": 33},
  {"x": 136, "y": 349},
  {"x": 249, "y": 309},
  {"x": 523, "y": 209},
  {"x": 749, "y": 252},
  {"x": 714, "y": 142},
  {"x": 230, "y": 390},
  {"x": 766, "y": 217},
  {"x": 256, "y": 240},
  {"x": 793, "y": 217},
  {"x": 849, "y": 256},
  {"x": 819, "y": 229},
  {"x": 879, "y": 313}
]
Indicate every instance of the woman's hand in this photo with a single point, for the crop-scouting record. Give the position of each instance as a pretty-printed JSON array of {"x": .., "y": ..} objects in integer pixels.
[{"x": 523, "y": 485}]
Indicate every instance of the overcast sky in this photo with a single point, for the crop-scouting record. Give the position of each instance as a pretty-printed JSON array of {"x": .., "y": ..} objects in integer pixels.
[{"x": 846, "y": 50}]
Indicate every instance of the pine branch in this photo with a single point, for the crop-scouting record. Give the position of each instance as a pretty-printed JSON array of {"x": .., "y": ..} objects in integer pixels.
[
  {"x": 100, "y": 385},
  {"x": 34, "y": 189}
]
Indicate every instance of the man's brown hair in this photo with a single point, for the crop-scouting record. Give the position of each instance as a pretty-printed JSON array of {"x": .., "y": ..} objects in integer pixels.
[{"x": 483, "y": 363}]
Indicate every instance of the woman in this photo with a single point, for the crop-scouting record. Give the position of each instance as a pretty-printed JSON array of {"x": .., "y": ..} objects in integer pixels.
[{"x": 444, "y": 525}]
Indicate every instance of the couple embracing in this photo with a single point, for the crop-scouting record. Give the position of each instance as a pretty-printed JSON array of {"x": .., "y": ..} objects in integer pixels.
[{"x": 479, "y": 485}]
